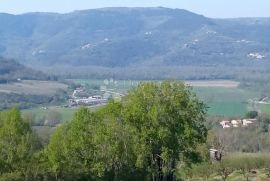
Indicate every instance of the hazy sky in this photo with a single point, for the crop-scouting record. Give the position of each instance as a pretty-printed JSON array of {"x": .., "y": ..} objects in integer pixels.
[{"x": 210, "y": 8}]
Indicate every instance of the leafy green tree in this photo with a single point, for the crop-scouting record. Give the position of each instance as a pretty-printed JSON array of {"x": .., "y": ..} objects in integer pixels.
[
  {"x": 17, "y": 145},
  {"x": 252, "y": 114},
  {"x": 113, "y": 142},
  {"x": 167, "y": 121},
  {"x": 140, "y": 138}
]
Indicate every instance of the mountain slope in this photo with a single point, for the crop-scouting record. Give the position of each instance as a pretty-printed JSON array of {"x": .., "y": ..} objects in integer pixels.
[
  {"x": 12, "y": 71},
  {"x": 134, "y": 37}
]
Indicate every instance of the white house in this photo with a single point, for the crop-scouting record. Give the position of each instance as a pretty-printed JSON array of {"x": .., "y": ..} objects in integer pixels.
[
  {"x": 225, "y": 124},
  {"x": 236, "y": 123},
  {"x": 246, "y": 122}
]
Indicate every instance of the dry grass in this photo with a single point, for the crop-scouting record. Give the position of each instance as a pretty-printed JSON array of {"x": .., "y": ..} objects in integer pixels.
[{"x": 33, "y": 87}]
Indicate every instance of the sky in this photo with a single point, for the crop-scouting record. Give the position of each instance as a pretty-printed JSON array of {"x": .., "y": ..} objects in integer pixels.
[{"x": 209, "y": 8}]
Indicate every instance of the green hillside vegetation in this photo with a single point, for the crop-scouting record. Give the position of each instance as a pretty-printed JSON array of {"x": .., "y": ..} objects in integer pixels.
[
  {"x": 237, "y": 166},
  {"x": 11, "y": 71},
  {"x": 160, "y": 43}
]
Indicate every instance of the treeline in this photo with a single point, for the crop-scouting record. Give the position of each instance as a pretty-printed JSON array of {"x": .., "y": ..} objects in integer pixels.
[
  {"x": 212, "y": 72},
  {"x": 144, "y": 137}
]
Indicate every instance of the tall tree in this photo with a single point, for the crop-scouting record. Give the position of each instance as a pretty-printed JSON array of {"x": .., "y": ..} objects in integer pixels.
[
  {"x": 167, "y": 122},
  {"x": 140, "y": 138},
  {"x": 17, "y": 144}
]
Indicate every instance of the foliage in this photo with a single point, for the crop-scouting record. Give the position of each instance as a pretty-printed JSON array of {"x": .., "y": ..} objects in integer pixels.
[
  {"x": 17, "y": 144},
  {"x": 167, "y": 120},
  {"x": 230, "y": 165},
  {"x": 164, "y": 43},
  {"x": 10, "y": 71},
  {"x": 252, "y": 114},
  {"x": 141, "y": 137}
]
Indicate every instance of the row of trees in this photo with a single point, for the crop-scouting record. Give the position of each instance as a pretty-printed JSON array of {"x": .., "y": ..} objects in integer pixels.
[{"x": 144, "y": 137}]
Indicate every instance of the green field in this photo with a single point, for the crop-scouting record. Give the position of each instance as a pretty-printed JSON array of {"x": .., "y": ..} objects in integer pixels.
[
  {"x": 265, "y": 108},
  {"x": 39, "y": 113},
  {"x": 66, "y": 113},
  {"x": 222, "y": 101},
  {"x": 225, "y": 101}
]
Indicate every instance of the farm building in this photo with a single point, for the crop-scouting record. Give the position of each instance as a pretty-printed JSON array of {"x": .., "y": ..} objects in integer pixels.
[
  {"x": 247, "y": 122},
  {"x": 237, "y": 123},
  {"x": 92, "y": 100},
  {"x": 215, "y": 154},
  {"x": 225, "y": 124}
]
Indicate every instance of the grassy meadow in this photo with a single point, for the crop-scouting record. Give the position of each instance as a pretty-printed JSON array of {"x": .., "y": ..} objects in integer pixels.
[
  {"x": 40, "y": 113},
  {"x": 225, "y": 101},
  {"x": 265, "y": 108}
]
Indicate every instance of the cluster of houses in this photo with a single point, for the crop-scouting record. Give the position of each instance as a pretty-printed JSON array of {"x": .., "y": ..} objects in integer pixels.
[
  {"x": 237, "y": 123},
  {"x": 85, "y": 101}
]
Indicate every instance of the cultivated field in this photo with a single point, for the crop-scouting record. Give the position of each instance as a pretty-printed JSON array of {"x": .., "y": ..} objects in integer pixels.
[
  {"x": 33, "y": 87},
  {"x": 225, "y": 101},
  {"x": 223, "y": 97},
  {"x": 39, "y": 113},
  {"x": 214, "y": 83},
  {"x": 65, "y": 113},
  {"x": 265, "y": 108}
]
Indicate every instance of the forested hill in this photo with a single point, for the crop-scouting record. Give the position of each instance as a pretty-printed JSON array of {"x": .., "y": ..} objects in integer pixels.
[
  {"x": 135, "y": 37},
  {"x": 10, "y": 70}
]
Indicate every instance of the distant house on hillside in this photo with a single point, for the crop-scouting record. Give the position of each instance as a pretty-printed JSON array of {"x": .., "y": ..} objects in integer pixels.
[
  {"x": 237, "y": 123},
  {"x": 225, "y": 124},
  {"x": 247, "y": 122}
]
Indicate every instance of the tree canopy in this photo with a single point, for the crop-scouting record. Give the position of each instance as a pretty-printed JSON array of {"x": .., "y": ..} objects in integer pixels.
[{"x": 142, "y": 137}]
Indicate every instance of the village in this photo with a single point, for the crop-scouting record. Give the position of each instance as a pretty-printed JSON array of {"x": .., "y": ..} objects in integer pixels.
[
  {"x": 79, "y": 98},
  {"x": 235, "y": 123}
]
